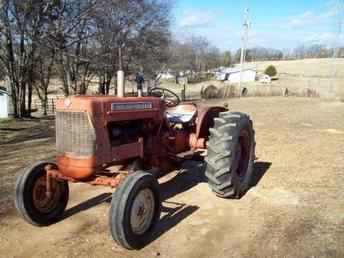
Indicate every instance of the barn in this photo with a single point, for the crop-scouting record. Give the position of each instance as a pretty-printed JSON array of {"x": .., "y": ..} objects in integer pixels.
[{"x": 4, "y": 102}]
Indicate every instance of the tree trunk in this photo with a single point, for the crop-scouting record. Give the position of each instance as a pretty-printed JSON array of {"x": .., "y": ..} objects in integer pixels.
[
  {"x": 45, "y": 102},
  {"x": 22, "y": 100},
  {"x": 14, "y": 105},
  {"x": 29, "y": 101}
]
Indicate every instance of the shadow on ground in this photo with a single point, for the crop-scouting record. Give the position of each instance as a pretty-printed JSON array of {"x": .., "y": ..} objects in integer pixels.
[
  {"x": 190, "y": 175},
  {"x": 16, "y": 131},
  {"x": 260, "y": 169},
  {"x": 90, "y": 203}
]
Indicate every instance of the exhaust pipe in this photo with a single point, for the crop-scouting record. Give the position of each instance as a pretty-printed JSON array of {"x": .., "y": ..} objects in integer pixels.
[{"x": 120, "y": 84}]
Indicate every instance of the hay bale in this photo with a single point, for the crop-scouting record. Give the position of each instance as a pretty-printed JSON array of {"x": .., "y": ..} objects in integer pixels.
[
  {"x": 227, "y": 91},
  {"x": 210, "y": 92},
  {"x": 310, "y": 93}
]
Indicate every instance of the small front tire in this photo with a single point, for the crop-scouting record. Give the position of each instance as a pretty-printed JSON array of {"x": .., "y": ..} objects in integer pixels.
[
  {"x": 135, "y": 208},
  {"x": 31, "y": 200}
]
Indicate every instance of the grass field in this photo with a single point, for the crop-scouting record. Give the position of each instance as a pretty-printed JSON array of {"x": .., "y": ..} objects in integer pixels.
[
  {"x": 318, "y": 74},
  {"x": 324, "y": 76}
]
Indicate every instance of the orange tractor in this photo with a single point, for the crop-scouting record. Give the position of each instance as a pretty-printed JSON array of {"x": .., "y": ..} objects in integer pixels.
[{"x": 123, "y": 143}]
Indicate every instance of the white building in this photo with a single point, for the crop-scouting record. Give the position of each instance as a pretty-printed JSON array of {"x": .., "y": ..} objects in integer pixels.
[
  {"x": 4, "y": 102},
  {"x": 265, "y": 79},
  {"x": 232, "y": 75},
  {"x": 166, "y": 75}
]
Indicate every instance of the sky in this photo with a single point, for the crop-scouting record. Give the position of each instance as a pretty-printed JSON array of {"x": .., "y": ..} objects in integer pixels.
[{"x": 277, "y": 24}]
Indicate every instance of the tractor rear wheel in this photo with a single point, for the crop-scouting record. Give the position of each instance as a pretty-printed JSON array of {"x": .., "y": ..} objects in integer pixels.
[
  {"x": 31, "y": 200},
  {"x": 231, "y": 154},
  {"x": 135, "y": 208}
]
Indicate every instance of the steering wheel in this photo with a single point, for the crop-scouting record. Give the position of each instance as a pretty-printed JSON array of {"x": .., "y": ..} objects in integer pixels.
[{"x": 171, "y": 99}]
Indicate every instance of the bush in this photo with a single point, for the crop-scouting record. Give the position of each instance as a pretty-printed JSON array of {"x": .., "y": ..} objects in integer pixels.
[{"x": 271, "y": 71}]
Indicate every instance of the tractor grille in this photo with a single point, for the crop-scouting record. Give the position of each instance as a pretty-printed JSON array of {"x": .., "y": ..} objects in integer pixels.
[{"x": 75, "y": 134}]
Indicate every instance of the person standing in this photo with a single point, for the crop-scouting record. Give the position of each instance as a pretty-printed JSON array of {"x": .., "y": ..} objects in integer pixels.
[{"x": 140, "y": 80}]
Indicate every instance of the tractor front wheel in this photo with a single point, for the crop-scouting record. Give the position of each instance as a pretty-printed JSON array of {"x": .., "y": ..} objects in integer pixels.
[
  {"x": 31, "y": 199},
  {"x": 135, "y": 208}
]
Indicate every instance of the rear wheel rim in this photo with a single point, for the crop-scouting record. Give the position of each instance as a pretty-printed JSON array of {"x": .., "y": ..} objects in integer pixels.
[
  {"x": 142, "y": 211},
  {"x": 242, "y": 154}
]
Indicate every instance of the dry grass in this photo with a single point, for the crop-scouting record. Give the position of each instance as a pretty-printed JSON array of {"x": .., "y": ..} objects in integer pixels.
[
  {"x": 314, "y": 74},
  {"x": 318, "y": 68},
  {"x": 294, "y": 211}
]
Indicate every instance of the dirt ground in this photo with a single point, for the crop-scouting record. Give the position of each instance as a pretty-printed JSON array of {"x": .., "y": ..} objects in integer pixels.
[{"x": 295, "y": 207}]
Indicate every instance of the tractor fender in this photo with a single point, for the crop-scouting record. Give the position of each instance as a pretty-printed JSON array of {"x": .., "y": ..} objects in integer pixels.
[{"x": 205, "y": 119}]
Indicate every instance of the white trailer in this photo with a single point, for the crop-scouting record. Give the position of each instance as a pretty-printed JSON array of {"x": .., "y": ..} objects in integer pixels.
[{"x": 4, "y": 102}]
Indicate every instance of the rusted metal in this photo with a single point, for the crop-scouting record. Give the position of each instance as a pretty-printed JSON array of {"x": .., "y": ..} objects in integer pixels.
[
  {"x": 48, "y": 188},
  {"x": 48, "y": 191},
  {"x": 88, "y": 154},
  {"x": 205, "y": 120},
  {"x": 126, "y": 151},
  {"x": 108, "y": 181},
  {"x": 77, "y": 167},
  {"x": 105, "y": 178},
  {"x": 196, "y": 143},
  {"x": 57, "y": 175}
]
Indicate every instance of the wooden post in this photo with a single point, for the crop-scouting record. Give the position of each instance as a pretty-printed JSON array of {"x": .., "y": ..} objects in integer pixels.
[{"x": 183, "y": 95}]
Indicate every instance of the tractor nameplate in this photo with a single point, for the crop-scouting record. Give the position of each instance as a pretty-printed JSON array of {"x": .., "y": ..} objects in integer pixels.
[{"x": 131, "y": 106}]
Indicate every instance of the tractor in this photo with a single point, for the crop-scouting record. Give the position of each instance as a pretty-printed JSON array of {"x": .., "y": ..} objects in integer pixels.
[{"x": 127, "y": 143}]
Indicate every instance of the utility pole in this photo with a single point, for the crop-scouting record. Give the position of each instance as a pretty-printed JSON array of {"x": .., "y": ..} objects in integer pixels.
[
  {"x": 244, "y": 40},
  {"x": 335, "y": 50},
  {"x": 338, "y": 33}
]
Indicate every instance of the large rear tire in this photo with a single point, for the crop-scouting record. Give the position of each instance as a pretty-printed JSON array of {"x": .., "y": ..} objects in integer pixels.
[
  {"x": 31, "y": 200},
  {"x": 135, "y": 208},
  {"x": 231, "y": 154}
]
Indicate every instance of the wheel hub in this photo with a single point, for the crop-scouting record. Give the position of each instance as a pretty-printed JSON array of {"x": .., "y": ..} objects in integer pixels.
[
  {"x": 142, "y": 211},
  {"x": 41, "y": 201},
  {"x": 242, "y": 154}
]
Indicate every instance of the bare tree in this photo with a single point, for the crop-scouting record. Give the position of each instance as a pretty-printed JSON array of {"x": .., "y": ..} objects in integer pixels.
[
  {"x": 79, "y": 40},
  {"x": 70, "y": 34},
  {"x": 196, "y": 55},
  {"x": 43, "y": 72},
  {"x": 22, "y": 24},
  {"x": 130, "y": 35}
]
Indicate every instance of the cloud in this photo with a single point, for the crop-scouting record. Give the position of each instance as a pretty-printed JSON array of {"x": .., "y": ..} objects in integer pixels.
[
  {"x": 319, "y": 38},
  {"x": 302, "y": 20},
  {"x": 196, "y": 19},
  {"x": 309, "y": 18},
  {"x": 335, "y": 8},
  {"x": 333, "y": 12},
  {"x": 324, "y": 38}
]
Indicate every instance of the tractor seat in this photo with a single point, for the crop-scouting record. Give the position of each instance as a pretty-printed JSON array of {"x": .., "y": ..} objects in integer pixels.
[{"x": 183, "y": 113}]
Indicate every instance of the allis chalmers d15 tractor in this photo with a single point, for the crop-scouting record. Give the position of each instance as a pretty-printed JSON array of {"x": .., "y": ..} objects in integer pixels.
[{"x": 122, "y": 143}]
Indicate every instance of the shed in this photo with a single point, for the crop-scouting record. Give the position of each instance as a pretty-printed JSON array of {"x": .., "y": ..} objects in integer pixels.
[
  {"x": 248, "y": 75},
  {"x": 232, "y": 75},
  {"x": 165, "y": 75},
  {"x": 4, "y": 103}
]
